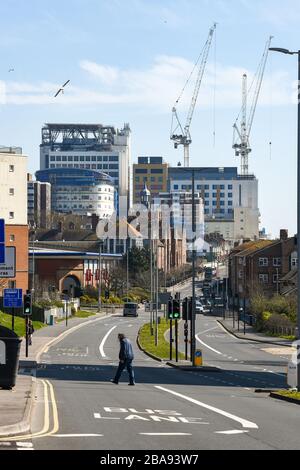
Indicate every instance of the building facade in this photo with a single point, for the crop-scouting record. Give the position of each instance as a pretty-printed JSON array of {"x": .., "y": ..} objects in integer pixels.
[
  {"x": 90, "y": 147},
  {"x": 13, "y": 209},
  {"x": 79, "y": 191},
  {"x": 230, "y": 200},
  {"x": 39, "y": 203},
  {"x": 261, "y": 265},
  {"x": 153, "y": 172}
]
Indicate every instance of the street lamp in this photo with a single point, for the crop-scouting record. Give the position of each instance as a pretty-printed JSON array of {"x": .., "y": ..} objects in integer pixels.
[{"x": 286, "y": 51}]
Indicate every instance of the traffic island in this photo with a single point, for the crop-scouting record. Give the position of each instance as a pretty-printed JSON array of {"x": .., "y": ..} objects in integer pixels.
[
  {"x": 187, "y": 366},
  {"x": 287, "y": 395}
]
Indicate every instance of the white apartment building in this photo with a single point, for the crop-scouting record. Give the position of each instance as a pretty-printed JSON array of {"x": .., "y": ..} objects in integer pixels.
[
  {"x": 90, "y": 147},
  {"x": 230, "y": 200}
]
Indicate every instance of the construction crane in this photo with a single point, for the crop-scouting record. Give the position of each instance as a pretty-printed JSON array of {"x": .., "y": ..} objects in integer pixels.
[
  {"x": 184, "y": 138},
  {"x": 241, "y": 142}
]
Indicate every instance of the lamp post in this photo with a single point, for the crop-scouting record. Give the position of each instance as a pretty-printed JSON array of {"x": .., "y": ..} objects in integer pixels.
[
  {"x": 286, "y": 51},
  {"x": 100, "y": 278}
]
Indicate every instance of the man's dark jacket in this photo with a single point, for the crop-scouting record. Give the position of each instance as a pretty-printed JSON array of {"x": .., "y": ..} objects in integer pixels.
[{"x": 126, "y": 351}]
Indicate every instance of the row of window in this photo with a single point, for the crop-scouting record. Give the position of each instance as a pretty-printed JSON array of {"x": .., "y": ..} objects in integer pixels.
[
  {"x": 144, "y": 171},
  {"x": 205, "y": 187},
  {"x": 88, "y": 166},
  {"x": 83, "y": 158},
  {"x": 218, "y": 211},
  {"x": 264, "y": 262},
  {"x": 160, "y": 179}
]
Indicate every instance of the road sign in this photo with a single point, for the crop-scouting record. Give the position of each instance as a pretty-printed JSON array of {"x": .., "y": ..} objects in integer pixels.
[
  {"x": 198, "y": 358},
  {"x": 13, "y": 298},
  {"x": 2, "y": 241},
  {"x": 8, "y": 269}
]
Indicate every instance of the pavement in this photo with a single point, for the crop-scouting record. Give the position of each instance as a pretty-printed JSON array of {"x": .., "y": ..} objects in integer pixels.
[
  {"x": 251, "y": 334},
  {"x": 16, "y": 405}
]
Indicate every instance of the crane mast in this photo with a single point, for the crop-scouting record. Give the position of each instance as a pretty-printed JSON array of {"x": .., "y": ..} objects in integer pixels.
[
  {"x": 184, "y": 138},
  {"x": 241, "y": 143}
]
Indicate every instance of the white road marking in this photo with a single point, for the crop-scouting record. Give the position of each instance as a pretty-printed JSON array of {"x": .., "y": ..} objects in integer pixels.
[
  {"x": 245, "y": 423},
  {"x": 165, "y": 434},
  {"x": 78, "y": 435},
  {"x": 206, "y": 331},
  {"x": 234, "y": 431},
  {"x": 24, "y": 444},
  {"x": 103, "y": 341},
  {"x": 98, "y": 416},
  {"x": 209, "y": 347}
]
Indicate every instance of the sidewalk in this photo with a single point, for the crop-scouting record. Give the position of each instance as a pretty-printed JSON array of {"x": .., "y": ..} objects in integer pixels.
[
  {"x": 16, "y": 404},
  {"x": 251, "y": 334}
]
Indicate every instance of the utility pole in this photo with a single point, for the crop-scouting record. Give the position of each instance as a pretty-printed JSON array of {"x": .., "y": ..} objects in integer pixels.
[
  {"x": 156, "y": 299},
  {"x": 100, "y": 278},
  {"x": 193, "y": 321}
]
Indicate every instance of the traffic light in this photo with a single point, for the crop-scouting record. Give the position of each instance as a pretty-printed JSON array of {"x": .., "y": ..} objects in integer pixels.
[
  {"x": 187, "y": 307},
  {"x": 174, "y": 309},
  {"x": 27, "y": 304}
]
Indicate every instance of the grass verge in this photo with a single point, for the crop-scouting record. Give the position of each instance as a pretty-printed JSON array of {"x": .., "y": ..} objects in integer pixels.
[
  {"x": 147, "y": 342},
  {"x": 5, "y": 320},
  {"x": 78, "y": 314}
]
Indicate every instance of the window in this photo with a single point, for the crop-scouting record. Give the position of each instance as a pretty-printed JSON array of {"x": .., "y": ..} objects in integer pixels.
[
  {"x": 214, "y": 203},
  {"x": 230, "y": 195},
  {"x": 230, "y": 203},
  {"x": 207, "y": 203},
  {"x": 294, "y": 260},
  {"x": 99, "y": 158},
  {"x": 114, "y": 158},
  {"x": 82, "y": 158},
  {"x": 94, "y": 159},
  {"x": 158, "y": 171},
  {"x": 64, "y": 158},
  {"x": 222, "y": 194},
  {"x": 276, "y": 261},
  {"x": 222, "y": 186},
  {"x": 230, "y": 211},
  {"x": 12, "y": 238},
  {"x": 230, "y": 186},
  {"x": 214, "y": 194},
  {"x": 70, "y": 159},
  {"x": 263, "y": 262},
  {"x": 52, "y": 158},
  {"x": 140, "y": 171},
  {"x": 11, "y": 284},
  {"x": 206, "y": 195},
  {"x": 263, "y": 278},
  {"x": 114, "y": 166},
  {"x": 76, "y": 159},
  {"x": 88, "y": 159},
  {"x": 11, "y": 191},
  {"x": 11, "y": 168},
  {"x": 11, "y": 215},
  {"x": 222, "y": 203},
  {"x": 206, "y": 186},
  {"x": 241, "y": 274},
  {"x": 175, "y": 186},
  {"x": 275, "y": 278},
  {"x": 206, "y": 211}
]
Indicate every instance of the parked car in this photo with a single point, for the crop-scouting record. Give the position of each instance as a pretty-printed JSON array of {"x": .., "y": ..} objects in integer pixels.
[
  {"x": 199, "y": 307},
  {"x": 130, "y": 309}
]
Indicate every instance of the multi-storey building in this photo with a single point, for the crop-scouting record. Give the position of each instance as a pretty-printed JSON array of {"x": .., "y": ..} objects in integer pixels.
[
  {"x": 153, "y": 172},
  {"x": 90, "y": 147},
  {"x": 13, "y": 209},
  {"x": 261, "y": 265},
  {"x": 230, "y": 200},
  {"x": 39, "y": 202},
  {"x": 79, "y": 191}
]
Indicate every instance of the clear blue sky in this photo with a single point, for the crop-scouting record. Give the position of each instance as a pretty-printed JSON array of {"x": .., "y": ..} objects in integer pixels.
[{"x": 127, "y": 61}]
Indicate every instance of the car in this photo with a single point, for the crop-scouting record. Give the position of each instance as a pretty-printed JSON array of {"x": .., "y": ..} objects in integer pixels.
[
  {"x": 199, "y": 307},
  {"x": 130, "y": 309}
]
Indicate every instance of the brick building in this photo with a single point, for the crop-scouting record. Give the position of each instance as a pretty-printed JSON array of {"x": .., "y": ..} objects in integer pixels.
[
  {"x": 13, "y": 209},
  {"x": 261, "y": 265}
]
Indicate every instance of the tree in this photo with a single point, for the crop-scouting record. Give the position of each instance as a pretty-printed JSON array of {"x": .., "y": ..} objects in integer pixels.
[{"x": 138, "y": 260}]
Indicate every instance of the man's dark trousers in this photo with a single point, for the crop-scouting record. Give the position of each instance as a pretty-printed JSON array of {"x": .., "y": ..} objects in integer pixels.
[{"x": 128, "y": 364}]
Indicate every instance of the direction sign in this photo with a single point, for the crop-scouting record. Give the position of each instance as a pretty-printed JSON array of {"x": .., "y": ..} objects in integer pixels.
[
  {"x": 13, "y": 298},
  {"x": 2, "y": 241},
  {"x": 8, "y": 269}
]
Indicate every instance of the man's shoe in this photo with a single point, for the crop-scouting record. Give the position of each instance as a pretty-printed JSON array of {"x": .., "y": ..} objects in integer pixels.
[
  {"x": 131, "y": 384},
  {"x": 113, "y": 381}
]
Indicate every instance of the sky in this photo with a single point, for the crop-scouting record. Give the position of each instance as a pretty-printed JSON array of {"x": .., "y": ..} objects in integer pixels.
[{"x": 127, "y": 61}]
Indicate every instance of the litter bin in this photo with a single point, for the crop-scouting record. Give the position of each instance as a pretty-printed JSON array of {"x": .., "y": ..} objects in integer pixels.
[
  {"x": 51, "y": 320},
  {"x": 10, "y": 345}
]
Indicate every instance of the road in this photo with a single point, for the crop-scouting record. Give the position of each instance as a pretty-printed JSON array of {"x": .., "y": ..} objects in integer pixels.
[{"x": 78, "y": 408}]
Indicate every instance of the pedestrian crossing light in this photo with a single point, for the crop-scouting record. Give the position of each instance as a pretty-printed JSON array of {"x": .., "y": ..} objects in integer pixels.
[{"x": 27, "y": 304}]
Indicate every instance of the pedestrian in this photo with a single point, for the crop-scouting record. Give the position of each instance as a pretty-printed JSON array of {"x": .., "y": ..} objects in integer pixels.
[{"x": 126, "y": 357}]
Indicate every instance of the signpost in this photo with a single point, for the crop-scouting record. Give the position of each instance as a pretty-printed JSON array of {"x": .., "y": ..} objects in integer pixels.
[
  {"x": 13, "y": 298},
  {"x": 2, "y": 241},
  {"x": 8, "y": 269}
]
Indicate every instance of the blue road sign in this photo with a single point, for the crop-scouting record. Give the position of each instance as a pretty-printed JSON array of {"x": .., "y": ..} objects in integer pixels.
[
  {"x": 13, "y": 298},
  {"x": 2, "y": 241}
]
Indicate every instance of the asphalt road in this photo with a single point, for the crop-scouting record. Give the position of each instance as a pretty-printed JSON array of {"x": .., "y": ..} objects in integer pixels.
[{"x": 78, "y": 408}]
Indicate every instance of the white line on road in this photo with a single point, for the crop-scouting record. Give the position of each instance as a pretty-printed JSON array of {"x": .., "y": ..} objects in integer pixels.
[
  {"x": 245, "y": 423},
  {"x": 78, "y": 435},
  {"x": 206, "y": 345},
  {"x": 234, "y": 431},
  {"x": 103, "y": 341},
  {"x": 98, "y": 416},
  {"x": 206, "y": 331},
  {"x": 165, "y": 434}
]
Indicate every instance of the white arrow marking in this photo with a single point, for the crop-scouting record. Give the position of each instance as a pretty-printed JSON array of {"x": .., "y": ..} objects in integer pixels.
[
  {"x": 98, "y": 416},
  {"x": 245, "y": 423},
  {"x": 78, "y": 435}
]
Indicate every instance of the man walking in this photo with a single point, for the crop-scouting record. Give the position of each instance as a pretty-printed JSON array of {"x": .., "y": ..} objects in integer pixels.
[{"x": 126, "y": 357}]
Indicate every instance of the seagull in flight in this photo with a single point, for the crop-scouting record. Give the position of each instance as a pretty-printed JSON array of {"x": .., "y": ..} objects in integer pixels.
[{"x": 61, "y": 90}]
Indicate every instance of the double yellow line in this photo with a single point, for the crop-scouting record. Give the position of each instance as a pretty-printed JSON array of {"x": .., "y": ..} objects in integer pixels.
[{"x": 46, "y": 431}]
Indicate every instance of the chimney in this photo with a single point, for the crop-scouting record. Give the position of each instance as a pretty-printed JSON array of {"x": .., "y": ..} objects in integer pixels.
[{"x": 284, "y": 234}]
